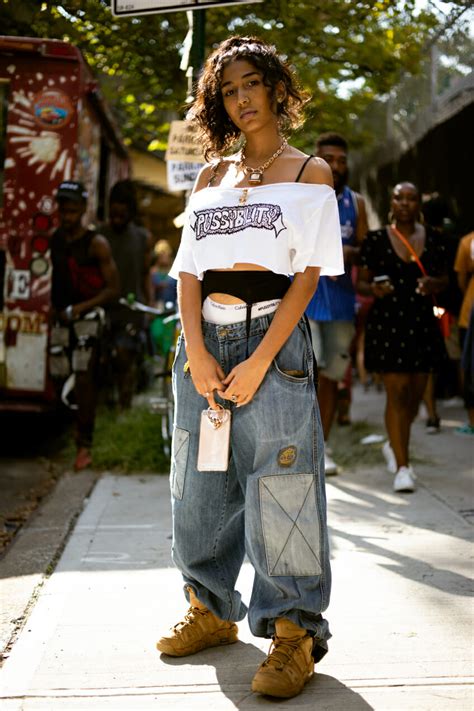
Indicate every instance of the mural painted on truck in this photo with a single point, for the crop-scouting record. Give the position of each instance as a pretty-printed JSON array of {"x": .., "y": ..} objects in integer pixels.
[
  {"x": 40, "y": 153},
  {"x": 56, "y": 126}
]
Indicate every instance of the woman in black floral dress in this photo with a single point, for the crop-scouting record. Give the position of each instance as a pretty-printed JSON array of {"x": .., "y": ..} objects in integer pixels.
[{"x": 403, "y": 339}]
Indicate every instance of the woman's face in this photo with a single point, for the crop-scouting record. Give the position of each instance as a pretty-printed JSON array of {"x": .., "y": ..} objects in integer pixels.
[
  {"x": 405, "y": 202},
  {"x": 246, "y": 98}
]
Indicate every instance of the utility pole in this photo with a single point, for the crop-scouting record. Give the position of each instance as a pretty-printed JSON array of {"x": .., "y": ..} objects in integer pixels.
[{"x": 194, "y": 45}]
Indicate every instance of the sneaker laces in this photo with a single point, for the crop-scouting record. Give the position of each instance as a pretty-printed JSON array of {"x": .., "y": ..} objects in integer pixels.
[
  {"x": 189, "y": 619},
  {"x": 281, "y": 651}
]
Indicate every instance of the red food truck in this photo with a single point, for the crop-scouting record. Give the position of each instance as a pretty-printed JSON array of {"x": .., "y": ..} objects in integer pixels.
[{"x": 54, "y": 126}]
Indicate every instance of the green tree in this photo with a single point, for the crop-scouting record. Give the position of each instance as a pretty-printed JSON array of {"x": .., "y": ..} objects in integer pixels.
[{"x": 346, "y": 53}]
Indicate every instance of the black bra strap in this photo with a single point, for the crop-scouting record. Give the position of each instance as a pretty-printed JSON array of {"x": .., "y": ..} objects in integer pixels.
[{"x": 302, "y": 168}]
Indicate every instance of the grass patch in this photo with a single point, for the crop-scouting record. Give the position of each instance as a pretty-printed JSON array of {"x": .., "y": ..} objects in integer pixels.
[
  {"x": 128, "y": 442},
  {"x": 349, "y": 452}
]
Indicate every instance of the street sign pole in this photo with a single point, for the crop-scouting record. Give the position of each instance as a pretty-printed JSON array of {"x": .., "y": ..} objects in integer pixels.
[
  {"x": 199, "y": 42},
  {"x": 195, "y": 54}
]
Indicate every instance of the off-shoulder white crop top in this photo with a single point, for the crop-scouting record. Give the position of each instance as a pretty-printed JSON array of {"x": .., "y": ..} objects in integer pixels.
[{"x": 284, "y": 227}]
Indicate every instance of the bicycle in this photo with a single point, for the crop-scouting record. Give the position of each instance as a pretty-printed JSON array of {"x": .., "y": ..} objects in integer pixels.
[{"x": 161, "y": 404}]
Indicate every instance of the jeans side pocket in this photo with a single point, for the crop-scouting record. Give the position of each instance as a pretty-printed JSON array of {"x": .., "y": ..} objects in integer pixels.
[
  {"x": 179, "y": 461},
  {"x": 291, "y": 376},
  {"x": 291, "y": 362},
  {"x": 290, "y": 523}
]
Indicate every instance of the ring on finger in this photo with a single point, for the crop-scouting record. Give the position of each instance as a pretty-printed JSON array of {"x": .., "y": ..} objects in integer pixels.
[
  {"x": 234, "y": 398},
  {"x": 207, "y": 394}
]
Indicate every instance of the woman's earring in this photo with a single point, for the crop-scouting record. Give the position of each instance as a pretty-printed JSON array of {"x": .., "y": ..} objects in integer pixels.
[{"x": 390, "y": 217}]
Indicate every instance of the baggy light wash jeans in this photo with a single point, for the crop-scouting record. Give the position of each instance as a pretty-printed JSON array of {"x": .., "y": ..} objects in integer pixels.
[{"x": 271, "y": 502}]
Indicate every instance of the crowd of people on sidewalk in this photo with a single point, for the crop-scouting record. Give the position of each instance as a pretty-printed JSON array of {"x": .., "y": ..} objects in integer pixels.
[
  {"x": 399, "y": 314},
  {"x": 374, "y": 322}
]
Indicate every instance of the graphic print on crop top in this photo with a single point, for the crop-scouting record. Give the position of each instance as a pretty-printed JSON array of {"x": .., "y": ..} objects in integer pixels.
[
  {"x": 229, "y": 220},
  {"x": 282, "y": 227}
]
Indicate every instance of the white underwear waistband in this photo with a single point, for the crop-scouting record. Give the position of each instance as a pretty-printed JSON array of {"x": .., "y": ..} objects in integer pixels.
[{"x": 224, "y": 314}]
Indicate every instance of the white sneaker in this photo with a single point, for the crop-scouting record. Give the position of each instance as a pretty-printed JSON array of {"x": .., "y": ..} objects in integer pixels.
[
  {"x": 330, "y": 466},
  {"x": 387, "y": 452},
  {"x": 404, "y": 480}
]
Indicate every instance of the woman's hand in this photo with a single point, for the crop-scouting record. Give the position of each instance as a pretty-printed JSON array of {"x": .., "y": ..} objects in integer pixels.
[
  {"x": 70, "y": 313},
  {"x": 77, "y": 311},
  {"x": 243, "y": 381},
  {"x": 431, "y": 285},
  {"x": 382, "y": 288},
  {"x": 370, "y": 285},
  {"x": 207, "y": 376}
]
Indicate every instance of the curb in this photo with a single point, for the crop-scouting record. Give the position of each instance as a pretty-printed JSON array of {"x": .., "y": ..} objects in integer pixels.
[{"x": 37, "y": 547}]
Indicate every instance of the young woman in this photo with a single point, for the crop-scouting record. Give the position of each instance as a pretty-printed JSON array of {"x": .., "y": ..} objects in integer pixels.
[
  {"x": 257, "y": 216},
  {"x": 403, "y": 266}
]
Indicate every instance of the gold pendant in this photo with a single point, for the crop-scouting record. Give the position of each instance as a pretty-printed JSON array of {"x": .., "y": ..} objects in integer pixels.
[
  {"x": 244, "y": 196},
  {"x": 255, "y": 177}
]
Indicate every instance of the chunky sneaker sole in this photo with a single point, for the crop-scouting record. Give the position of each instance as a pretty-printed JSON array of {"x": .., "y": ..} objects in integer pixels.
[
  {"x": 269, "y": 687},
  {"x": 218, "y": 638},
  {"x": 404, "y": 482},
  {"x": 330, "y": 466}
]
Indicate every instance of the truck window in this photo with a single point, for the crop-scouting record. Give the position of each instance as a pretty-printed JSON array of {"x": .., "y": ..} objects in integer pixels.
[{"x": 3, "y": 133}]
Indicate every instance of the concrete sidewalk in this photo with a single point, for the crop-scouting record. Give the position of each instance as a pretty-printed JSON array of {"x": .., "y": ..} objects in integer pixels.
[{"x": 400, "y": 614}]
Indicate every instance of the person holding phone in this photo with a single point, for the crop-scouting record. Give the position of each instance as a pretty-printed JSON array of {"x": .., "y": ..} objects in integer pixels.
[
  {"x": 403, "y": 267},
  {"x": 257, "y": 216}
]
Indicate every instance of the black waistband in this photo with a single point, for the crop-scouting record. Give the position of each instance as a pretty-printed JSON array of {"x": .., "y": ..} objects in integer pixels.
[{"x": 249, "y": 286}]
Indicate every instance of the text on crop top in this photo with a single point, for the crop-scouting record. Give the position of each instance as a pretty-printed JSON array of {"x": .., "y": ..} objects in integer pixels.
[{"x": 283, "y": 227}]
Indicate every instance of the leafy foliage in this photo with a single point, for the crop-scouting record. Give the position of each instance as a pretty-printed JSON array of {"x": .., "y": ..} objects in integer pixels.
[{"x": 369, "y": 42}]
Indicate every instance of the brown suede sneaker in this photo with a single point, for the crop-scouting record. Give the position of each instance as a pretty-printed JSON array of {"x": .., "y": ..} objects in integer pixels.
[
  {"x": 289, "y": 664},
  {"x": 199, "y": 629}
]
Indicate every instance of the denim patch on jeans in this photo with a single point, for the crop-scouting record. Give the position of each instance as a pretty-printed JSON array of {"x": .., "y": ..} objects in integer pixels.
[{"x": 289, "y": 515}]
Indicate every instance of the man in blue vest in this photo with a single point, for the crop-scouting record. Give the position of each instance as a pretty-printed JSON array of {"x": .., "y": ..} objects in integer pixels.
[{"x": 331, "y": 311}]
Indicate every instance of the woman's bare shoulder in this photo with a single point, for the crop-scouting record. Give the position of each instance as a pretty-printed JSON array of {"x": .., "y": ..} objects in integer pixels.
[
  {"x": 211, "y": 171},
  {"x": 204, "y": 176},
  {"x": 317, "y": 171}
]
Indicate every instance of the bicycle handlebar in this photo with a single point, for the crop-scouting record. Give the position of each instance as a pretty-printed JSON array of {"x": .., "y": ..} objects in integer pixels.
[{"x": 143, "y": 308}]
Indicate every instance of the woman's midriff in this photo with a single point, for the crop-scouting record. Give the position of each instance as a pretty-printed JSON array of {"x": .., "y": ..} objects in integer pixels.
[{"x": 227, "y": 299}]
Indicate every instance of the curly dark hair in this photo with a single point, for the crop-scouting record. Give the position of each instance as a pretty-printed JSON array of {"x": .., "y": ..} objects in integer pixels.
[{"x": 217, "y": 131}]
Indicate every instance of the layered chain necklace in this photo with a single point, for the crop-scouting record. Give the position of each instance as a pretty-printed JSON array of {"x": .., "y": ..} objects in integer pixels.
[{"x": 255, "y": 175}]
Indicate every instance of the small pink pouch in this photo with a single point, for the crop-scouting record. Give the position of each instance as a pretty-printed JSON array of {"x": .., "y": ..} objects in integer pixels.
[{"x": 214, "y": 440}]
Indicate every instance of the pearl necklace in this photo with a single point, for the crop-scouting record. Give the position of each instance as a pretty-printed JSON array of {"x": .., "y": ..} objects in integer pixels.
[{"x": 256, "y": 174}]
